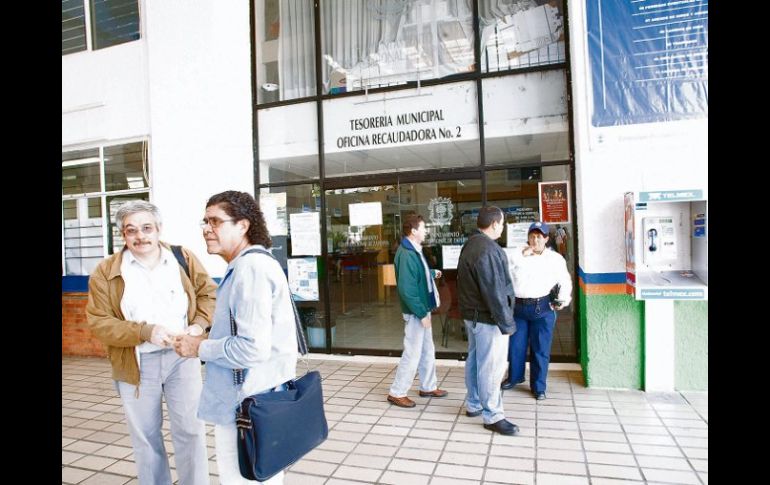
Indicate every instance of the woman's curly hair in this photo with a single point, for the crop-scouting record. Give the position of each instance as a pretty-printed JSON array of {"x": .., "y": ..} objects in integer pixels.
[{"x": 241, "y": 205}]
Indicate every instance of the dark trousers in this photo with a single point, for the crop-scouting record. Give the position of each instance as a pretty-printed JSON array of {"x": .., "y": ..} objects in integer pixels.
[{"x": 534, "y": 327}]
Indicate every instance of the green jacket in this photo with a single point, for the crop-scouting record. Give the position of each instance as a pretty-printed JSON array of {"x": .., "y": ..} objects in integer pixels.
[
  {"x": 411, "y": 283},
  {"x": 121, "y": 336}
]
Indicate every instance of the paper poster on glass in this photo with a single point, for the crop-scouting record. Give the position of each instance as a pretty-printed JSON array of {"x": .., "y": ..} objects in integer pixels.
[
  {"x": 305, "y": 234},
  {"x": 516, "y": 234},
  {"x": 450, "y": 255},
  {"x": 273, "y": 206},
  {"x": 554, "y": 202},
  {"x": 303, "y": 279},
  {"x": 365, "y": 214}
]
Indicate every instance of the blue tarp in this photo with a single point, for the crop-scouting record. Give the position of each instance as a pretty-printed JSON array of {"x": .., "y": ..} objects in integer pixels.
[{"x": 649, "y": 60}]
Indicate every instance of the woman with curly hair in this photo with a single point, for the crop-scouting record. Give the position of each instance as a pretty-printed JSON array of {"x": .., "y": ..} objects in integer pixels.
[{"x": 253, "y": 298}]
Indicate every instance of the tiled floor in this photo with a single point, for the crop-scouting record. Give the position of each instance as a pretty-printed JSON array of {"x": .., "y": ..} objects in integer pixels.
[
  {"x": 576, "y": 436},
  {"x": 381, "y": 326}
]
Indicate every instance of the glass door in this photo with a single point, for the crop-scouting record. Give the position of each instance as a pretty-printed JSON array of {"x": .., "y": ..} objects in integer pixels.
[
  {"x": 363, "y": 233},
  {"x": 518, "y": 192}
]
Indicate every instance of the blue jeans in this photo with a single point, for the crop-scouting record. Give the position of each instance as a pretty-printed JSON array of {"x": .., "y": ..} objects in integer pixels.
[
  {"x": 419, "y": 355},
  {"x": 484, "y": 370},
  {"x": 534, "y": 326},
  {"x": 164, "y": 374}
]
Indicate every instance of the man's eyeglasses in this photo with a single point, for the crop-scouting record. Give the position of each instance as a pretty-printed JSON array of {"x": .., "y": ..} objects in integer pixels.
[
  {"x": 132, "y": 231},
  {"x": 214, "y": 222}
]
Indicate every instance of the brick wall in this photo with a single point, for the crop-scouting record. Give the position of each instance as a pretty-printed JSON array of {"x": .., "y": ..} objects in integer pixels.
[{"x": 76, "y": 338}]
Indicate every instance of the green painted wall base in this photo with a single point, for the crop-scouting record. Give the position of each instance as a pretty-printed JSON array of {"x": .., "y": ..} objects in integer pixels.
[
  {"x": 612, "y": 341},
  {"x": 691, "y": 330}
]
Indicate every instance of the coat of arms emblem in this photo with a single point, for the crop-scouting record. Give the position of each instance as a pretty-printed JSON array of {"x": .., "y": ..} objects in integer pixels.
[{"x": 440, "y": 210}]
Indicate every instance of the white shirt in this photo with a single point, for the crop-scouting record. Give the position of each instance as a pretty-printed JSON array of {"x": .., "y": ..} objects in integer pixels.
[
  {"x": 155, "y": 295},
  {"x": 534, "y": 276}
]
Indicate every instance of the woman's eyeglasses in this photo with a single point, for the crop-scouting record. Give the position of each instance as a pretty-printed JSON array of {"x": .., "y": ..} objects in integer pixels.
[{"x": 213, "y": 222}]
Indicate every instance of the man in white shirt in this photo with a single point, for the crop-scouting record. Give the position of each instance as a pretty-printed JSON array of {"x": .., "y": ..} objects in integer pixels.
[
  {"x": 535, "y": 270},
  {"x": 138, "y": 299}
]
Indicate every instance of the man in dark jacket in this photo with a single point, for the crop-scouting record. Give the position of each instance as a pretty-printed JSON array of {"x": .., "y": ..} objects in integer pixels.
[{"x": 486, "y": 304}]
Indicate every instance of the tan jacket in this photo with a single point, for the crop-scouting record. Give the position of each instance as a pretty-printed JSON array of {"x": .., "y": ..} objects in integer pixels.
[{"x": 121, "y": 336}]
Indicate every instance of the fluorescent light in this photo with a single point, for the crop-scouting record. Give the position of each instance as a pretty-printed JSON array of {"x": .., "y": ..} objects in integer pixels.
[{"x": 80, "y": 161}]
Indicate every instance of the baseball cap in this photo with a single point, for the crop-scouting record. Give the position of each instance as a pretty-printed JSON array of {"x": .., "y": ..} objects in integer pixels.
[{"x": 539, "y": 226}]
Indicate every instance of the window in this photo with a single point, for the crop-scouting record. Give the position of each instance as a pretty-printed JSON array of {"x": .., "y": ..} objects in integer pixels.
[
  {"x": 521, "y": 33},
  {"x": 73, "y": 26},
  {"x": 285, "y": 42},
  {"x": 525, "y": 118},
  {"x": 288, "y": 143},
  {"x": 369, "y": 44},
  {"x": 112, "y": 22},
  {"x": 95, "y": 181}
]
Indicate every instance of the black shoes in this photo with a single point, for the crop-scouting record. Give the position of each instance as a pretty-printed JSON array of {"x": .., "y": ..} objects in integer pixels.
[
  {"x": 539, "y": 396},
  {"x": 473, "y": 414},
  {"x": 504, "y": 427},
  {"x": 506, "y": 385}
]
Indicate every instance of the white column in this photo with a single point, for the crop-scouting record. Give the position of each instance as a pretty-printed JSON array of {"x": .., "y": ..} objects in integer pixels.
[{"x": 659, "y": 345}]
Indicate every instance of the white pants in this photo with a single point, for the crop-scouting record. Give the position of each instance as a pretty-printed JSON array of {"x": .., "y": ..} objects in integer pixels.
[
  {"x": 178, "y": 379},
  {"x": 419, "y": 356},
  {"x": 226, "y": 443}
]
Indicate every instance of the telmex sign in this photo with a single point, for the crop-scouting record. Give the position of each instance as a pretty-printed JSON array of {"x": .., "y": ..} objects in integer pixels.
[{"x": 670, "y": 195}]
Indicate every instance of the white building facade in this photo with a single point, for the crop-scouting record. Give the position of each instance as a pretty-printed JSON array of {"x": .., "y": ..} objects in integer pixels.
[{"x": 342, "y": 117}]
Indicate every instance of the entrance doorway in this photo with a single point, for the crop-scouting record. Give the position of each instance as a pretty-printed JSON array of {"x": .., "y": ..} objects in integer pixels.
[
  {"x": 362, "y": 220},
  {"x": 364, "y": 231}
]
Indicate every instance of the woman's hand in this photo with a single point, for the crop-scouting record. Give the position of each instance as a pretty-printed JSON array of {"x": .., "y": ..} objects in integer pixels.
[{"x": 187, "y": 345}]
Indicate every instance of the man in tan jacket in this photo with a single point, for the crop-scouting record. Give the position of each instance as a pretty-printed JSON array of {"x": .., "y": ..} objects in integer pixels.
[{"x": 138, "y": 300}]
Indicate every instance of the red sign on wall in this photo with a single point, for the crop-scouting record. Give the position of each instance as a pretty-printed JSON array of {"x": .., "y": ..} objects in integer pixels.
[{"x": 554, "y": 202}]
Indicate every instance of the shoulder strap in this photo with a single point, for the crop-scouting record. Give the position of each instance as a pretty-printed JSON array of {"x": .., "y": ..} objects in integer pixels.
[
  {"x": 177, "y": 250},
  {"x": 301, "y": 342},
  {"x": 239, "y": 375}
]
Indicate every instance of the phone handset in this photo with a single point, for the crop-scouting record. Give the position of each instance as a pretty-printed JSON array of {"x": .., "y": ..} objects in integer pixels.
[{"x": 652, "y": 233}]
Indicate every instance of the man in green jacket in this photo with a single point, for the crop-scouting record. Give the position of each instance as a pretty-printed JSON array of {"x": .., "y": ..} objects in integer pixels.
[
  {"x": 138, "y": 299},
  {"x": 419, "y": 296}
]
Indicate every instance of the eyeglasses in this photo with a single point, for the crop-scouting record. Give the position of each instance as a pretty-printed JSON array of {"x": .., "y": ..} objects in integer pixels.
[
  {"x": 132, "y": 231},
  {"x": 214, "y": 222}
]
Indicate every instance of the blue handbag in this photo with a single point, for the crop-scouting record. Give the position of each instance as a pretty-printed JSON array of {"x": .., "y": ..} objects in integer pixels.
[{"x": 275, "y": 429}]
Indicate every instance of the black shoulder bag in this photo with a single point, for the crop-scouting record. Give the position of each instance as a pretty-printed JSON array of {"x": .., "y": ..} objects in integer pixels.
[{"x": 275, "y": 429}]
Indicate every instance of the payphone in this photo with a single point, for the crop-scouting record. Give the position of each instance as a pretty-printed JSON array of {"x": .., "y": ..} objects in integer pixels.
[
  {"x": 669, "y": 230},
  {"x": 660, "y": 246}
]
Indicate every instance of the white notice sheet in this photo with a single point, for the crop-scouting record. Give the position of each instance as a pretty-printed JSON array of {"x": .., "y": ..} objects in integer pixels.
[
  {"x": 273, "y": 206},
  {"x": 305, "y": 234},
  {"x": 365, "y": 214}
]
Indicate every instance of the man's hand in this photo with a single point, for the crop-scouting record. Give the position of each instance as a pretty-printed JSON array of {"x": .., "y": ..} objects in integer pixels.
[
  {"x": 161, "y": 336},
  {"x": 557, "y": 306},
  {"x": 528, "y": 251},
  {"x": 187, "y": 346},
  {"x": 426, "y": 322},
  {"x": 438, "y": 273}
]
